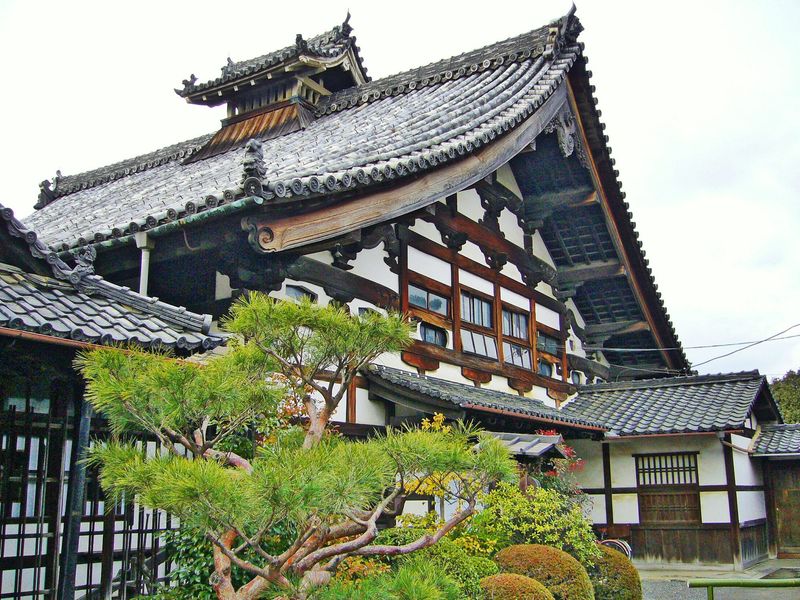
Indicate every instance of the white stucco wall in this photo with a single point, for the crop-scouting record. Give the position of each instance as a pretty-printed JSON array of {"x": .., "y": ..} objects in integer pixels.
[
  {"x": 752, "y": 506},
  {"x": 370, "y": 412},
  {"x": 427, "y": 230},
  {"x": 369, "y": 265},
  {"x": 714, "y": 507},
  {"x": 430, "y": 266},
  {"x": 748, "y": 471}
]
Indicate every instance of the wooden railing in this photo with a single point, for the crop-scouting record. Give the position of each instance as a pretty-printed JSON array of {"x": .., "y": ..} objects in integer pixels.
[{"x": 710, "y": 584}]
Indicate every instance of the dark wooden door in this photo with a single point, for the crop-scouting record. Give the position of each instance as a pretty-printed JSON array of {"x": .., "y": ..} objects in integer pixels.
[{"x": 785, "y": 480}]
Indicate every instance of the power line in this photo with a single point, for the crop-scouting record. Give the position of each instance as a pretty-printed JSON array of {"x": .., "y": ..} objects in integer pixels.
[{"x": 774, "y": 339}]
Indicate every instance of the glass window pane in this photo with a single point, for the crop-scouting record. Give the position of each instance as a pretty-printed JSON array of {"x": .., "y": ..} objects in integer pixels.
[
  {"x": 437, "y": 303},
  {"x": 466, "y": 341},
  {"x": 417, "y": 296},
  {"x": 487, "y": 314},
  {"x": 466, "y": 314},
  {"x": 491, "y": 347},
  {"x": 508, "y": 327},
  {"x": 545, "y": 368},
  {"x": 480, "y": 344},
  {"x": 521, "y": 326}
]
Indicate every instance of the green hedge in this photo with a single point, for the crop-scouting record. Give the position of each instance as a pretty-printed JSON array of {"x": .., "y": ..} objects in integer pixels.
[
  {"x": 560, "y": 573},
  {"x": 510, "y": 586},
  {"x": 614, "y": 577}
]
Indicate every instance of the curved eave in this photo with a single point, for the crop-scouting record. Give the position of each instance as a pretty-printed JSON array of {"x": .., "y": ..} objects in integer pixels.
[{"x": 642, "y": 280}]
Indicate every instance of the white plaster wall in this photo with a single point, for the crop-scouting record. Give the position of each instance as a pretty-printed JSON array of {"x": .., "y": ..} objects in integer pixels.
[
  {"x": 500, "y": 384},
  {"x": 505, "y": 176},
  {"x": 469, "y": 204},
  {"x": 510, "y": 228},
  {"x": 369, "y": 412},
  {"x": 222, "y": 286},
  {"x": 430, "y": 266},
  {"x": 515, "y": 299},
  {"x": 626, "y": 508},
  {"x": 540, "y": 393},
  {"x": 540, "y": 249},
  {"x": 548, "y": 317},
  {"x": 594, "y": 508},
  {"x": 473, "y": 252},
  {"x": 752, "y": 506},
  {"x": 477, "y": 283},
  {"x": 357, "y": 303},
  {"x": 591, "y": 453},
  {"x": 369, "y": 265},
  {"x": 427, "y": 230},
  {"x": 450, "y": 373},
  {"x": 511, "y": 270},
  {"x": 570, "y": 304},
  {"x": 415, "y": 507},
  {"x": 545, "y": 288},
  {"x": 747, "y": 470},
  {"x": 714, "y": 507}
]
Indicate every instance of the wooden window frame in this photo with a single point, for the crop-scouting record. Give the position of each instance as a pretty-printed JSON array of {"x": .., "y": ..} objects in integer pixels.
[
  {"x": 435, "y": 328},
  {"x": 671, "y": 482}
]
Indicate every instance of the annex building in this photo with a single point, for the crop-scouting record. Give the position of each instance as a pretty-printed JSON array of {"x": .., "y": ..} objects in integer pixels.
[{"x": 477, "y": 194}]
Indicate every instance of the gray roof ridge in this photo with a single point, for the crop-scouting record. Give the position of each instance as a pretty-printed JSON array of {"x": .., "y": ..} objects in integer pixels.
[
  {"x": 84, "y": 280},
  {"x": 781, "y": 427},
  {"x": 69, "y": 184},
  {"x": 531, "y": 44},
  {"x": 661, "y": 382}
]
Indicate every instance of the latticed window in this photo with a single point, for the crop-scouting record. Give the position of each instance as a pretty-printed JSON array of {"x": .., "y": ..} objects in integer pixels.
[{"x": 668, "y": 488}]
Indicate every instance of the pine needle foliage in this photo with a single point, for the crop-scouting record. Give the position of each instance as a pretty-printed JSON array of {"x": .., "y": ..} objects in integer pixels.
[{"x": 322, "y": 494}]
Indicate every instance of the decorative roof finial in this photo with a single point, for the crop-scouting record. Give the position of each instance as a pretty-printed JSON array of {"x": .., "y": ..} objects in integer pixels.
[
  {"x": 254, "y": 169},
  {"x": 228, "y": 68},
  {"x": 188, "y": 84},
  {"x": 346, "y": 28},
  {"x": 300, "y": 43},
  {"x": 84, "y": 259},
  {"x": 48, "y": 191}
]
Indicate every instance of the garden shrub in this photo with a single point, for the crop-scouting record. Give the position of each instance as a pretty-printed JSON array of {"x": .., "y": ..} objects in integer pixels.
[
  {"x": 413, "y": 580},
  {"x": 540, "y": 516},
  {"x": 559, "y": 572},
  {"x": 511, "y": 586},
  {"x": 614, "y": 577},
  {"x": 446, "y": 555}
]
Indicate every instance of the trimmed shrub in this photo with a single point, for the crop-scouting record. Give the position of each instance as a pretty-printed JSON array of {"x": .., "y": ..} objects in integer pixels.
[
  {"x": 540, "y": 517},
  {"x": 510, "y": 586},
  {"x": 411, "y": 581},
  {"x": 560, "y": 573},
  {"x": 614, "y": 577}
]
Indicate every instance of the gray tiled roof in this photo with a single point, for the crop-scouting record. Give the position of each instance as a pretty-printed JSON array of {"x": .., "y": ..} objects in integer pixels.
[
  {"x": 670, "y": 405},
  {"x": 778, "y": 439},
  {"x": 74, "y": 303},
  {"x": 468, "y": 396},
  {"x": 406, "y": 125}
]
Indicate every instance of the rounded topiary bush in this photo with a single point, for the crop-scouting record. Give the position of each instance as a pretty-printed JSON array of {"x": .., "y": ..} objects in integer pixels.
[
  {"x": 561, "y": 574},
  {"x": 510, "y": 586},
  {"x": 614, "y": 577}
]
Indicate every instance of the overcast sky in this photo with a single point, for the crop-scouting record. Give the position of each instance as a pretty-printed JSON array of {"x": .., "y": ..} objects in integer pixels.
[{"x": 700, "y": 100}]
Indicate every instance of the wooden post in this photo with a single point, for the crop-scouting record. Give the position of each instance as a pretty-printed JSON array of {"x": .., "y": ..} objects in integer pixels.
[
  {"x": 75, "y": 500},
  {"x": 607, "y": 489},
  {"x": 733, "y": 502}
]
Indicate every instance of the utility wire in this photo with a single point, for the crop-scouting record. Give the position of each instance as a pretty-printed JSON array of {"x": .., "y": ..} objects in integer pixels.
[
  {"x": 705, "y": 362},
  {"x": 773, "y": 339}
]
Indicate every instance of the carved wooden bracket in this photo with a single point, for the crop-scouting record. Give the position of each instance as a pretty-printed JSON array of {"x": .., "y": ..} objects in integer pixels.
[{"x": 476, "y": 376}]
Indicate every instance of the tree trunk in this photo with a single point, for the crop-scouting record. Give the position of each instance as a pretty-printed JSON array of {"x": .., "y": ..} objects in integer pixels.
[
  {"x": 221, "y": 578},
  {"x": 318, "y": 424}
]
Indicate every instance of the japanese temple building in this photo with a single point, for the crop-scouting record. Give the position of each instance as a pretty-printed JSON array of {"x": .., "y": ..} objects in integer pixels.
[{"x": 479, "y": 195}]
